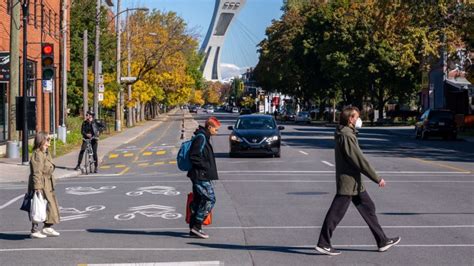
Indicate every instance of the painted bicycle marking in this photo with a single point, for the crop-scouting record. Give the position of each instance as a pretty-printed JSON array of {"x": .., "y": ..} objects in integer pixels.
[
  {"x": 78, "y": 214},
  {"x": 151, "y": 211},
  {"x": 81, "y": 191},
  {"x": 155, "y": 190}
]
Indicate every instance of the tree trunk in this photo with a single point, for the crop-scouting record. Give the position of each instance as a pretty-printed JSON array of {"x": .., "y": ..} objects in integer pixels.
[{"x": 142, "y": 112}]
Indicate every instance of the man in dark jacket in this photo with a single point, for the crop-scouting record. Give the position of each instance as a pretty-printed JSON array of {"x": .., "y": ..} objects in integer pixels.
[
  {"x": 90, "y": 130},
  {"x": 203, "y": 171},
  {"x": 350, "y": 163}
]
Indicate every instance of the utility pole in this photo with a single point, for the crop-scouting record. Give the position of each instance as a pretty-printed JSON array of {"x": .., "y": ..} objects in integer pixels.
[
  {"x": 129, "y": 73},
  {"x": 85, "y": 89},
  {"x": 25, "y": 6},
  {"x": 12, "y": 145},
  {"x": 118, "y": 111},
  {"x": 97, "y": 58},
  {"x": 62, "y": 131}
]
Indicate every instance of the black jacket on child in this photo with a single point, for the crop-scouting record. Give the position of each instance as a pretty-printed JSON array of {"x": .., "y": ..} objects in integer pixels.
[{"x": 203, "y": 163}]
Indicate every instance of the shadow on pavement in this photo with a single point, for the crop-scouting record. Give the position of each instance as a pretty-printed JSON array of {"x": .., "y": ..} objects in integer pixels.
[
  {"x": 14, "y": 236},
  {"x": 138, "y": 232},
  {"x": 307, "y": 193},
  {"x": 282, "y": 249},
  {"x": 426, "y": 213}
]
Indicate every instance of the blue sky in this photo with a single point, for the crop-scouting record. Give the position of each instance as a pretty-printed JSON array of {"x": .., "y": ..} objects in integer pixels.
[{"x": 240, "y": 51}]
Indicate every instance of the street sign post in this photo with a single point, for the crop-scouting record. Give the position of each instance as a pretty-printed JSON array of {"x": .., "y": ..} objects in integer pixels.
[{"x": 128, "y": 79}]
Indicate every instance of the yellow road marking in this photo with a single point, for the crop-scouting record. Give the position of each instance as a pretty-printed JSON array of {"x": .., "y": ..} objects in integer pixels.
[
  {"x": 159, "y": 163},
  {"x": 444, "y": 166},
  {"x": 120, "y": 166},
  {"x": 113, "y": 156},
  {"x": 172, "y": 162},
  {"x": 124, "y": 171},
  {"x": 160, "y": 152},
  {"x": 105, "y": 167},
  {"x": 147, "y": 153},
  {"x": 144, "y": 164},
  {"x": 128, "y": 155},
  {"x": 142, "y": 150}
]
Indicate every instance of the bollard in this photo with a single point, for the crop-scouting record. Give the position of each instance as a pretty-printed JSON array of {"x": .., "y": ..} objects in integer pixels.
[{"x": 13, "y": 149}]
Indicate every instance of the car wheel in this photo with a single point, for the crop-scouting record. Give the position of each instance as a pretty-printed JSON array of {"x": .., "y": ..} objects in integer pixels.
[{"x": 278, "y": 154}]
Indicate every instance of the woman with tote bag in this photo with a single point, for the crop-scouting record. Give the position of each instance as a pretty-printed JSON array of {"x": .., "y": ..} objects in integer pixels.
[{"x": 41, "y": 180}]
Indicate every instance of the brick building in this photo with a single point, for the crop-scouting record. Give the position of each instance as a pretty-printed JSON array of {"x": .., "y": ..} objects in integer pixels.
[{"x": 44, "y": 27}]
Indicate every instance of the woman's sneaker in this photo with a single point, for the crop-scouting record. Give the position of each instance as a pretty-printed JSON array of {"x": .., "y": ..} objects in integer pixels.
[
  {"x": 328, "y": 251},
  {"x": 37, "y": 235},
  {"x": 50, "y": 232},
  {"x": 199, "y": 233},
  {"x": 390, "y": 243}
]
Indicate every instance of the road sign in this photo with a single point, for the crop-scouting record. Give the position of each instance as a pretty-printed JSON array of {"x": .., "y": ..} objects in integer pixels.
[
  {"x": 47, "y": 86},
  {"x": 128, "y": 79},
  {"x": 101, "y": 88},
  {"x": 101, "y": 97},
  {"x": 101, "y": 79}
]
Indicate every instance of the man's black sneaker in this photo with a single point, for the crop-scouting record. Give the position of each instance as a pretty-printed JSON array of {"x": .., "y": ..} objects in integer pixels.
[
  {"x": 390, "y": 243},
  {"x": 199, "y": 233},
  {"x": 77, "y": 168},
  {"x": 328, "y": 251}
]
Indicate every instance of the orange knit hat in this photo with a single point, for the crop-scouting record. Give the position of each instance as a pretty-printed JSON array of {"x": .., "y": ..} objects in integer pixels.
[{"x": 213, "y": 122}]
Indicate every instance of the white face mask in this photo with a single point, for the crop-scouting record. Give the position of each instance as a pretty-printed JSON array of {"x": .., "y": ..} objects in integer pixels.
[{"x": 358, "y": 123}]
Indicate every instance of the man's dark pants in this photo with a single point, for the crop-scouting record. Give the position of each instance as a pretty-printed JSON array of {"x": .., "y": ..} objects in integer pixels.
[
  {"x": 203, "y": 201},
  {"x": 336, "y": 212},
  {"x": 94, "y": 144}
]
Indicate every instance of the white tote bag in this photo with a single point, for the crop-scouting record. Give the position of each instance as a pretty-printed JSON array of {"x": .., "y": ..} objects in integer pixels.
[{"x": 38, "y": 208}]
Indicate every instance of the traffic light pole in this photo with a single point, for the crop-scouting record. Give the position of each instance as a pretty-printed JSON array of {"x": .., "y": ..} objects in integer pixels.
[{"x": 25, "y": 5}]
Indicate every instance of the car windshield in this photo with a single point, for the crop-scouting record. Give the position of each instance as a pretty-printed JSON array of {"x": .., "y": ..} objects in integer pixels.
[
  {"x": 442, "y": 115},
  {"x": 255, "y": 123}
]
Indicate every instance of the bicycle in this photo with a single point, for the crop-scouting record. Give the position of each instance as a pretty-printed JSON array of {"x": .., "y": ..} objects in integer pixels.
[{"x": 89, "y": 161}]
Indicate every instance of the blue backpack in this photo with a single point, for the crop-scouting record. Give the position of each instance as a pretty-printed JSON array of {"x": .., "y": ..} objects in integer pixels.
[{"x": 183, "y": 160}]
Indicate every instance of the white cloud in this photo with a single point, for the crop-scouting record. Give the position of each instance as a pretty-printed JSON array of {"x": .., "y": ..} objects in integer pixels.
[{"x": 230, "y": 70}]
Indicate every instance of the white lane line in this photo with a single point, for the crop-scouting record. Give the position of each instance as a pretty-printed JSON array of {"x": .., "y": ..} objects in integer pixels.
[
  {"x": 327, "y": 163},
  {"x": 305, "y": 153},
  {"x": 181, "y": 263},
  {"x": 264, "y": 228},
  {"x": 212, "y": 248},
  {"x": 322, "y": 172},
  {"x": 11, "y": 201}
]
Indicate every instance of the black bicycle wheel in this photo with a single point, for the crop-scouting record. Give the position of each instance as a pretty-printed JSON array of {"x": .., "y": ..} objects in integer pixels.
[
  {"x": 91, "y": 162},
  {"x": 86, "y": 163}
]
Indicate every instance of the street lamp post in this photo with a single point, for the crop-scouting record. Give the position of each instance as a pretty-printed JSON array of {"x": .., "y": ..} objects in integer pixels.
[
  {"x": 25, "y": 6},
  {"x": 97, "y": 57},
  {"x": 118, "y": 112}
]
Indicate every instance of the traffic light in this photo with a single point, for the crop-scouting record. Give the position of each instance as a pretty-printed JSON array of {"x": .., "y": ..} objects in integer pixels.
[{"x": 47, "y": 61}]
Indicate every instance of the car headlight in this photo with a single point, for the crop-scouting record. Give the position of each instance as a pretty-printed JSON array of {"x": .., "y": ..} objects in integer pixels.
[
  {"x": 235, "y": 138},
  {"x": 271, "y": 139}
]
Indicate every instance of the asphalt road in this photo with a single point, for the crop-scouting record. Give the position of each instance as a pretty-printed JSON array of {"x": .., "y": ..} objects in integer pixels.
[{"x": 268, "y": 212}]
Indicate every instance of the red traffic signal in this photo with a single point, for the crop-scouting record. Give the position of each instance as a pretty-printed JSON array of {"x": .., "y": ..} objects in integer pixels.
[
  {"x": 47, "y": 61},
  {"x": 47, "y": 49}
]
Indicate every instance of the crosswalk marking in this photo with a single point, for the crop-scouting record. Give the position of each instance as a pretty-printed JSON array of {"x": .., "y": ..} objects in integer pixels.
[
  {"x": 128, "y": 155},
  {"x": 120, "y": 166},
  {"x": 113, "y": 156},
  {"x": 105, "y": 167},
  {"x": 172, "y": 162},
  {"x": 159, "y": 163},
  {"x": 160, "y": 152},
  {"x": 148, "y": 153}
]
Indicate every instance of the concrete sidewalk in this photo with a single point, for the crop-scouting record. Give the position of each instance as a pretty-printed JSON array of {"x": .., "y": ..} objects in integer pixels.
[{"x": 13, "y": 171}]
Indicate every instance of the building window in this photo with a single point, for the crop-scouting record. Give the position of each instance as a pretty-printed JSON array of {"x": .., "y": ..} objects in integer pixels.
[
  {"x": 49, "y": 22},
  {"x": 35, "y": 14},
  {"x": 215, "y": 65},
  {"x": 55, "y": 24}
]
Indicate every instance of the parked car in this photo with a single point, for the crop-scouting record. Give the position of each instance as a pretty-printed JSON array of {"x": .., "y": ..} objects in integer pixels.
[
  {"x": 210, "y": 109},
  {"x": 255, "y": 135},
  {"x": 288, "y": 116},
  {"x": 235, "y": 109},
  {"x": 193, "y": 109},
  {"x": 303, "y": 117},
  {"x": 245, "y": 111},
  {"x": 436, "y": 122}
]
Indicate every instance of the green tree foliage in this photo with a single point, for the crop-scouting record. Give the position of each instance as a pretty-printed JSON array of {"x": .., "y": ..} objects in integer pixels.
[
  {"x": 82, "y": 18},
  {"x": 355, "y": 50}
]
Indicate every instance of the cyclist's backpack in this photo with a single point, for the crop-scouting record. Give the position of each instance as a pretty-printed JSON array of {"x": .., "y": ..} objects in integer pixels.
[{"x": 183, "y": 160}]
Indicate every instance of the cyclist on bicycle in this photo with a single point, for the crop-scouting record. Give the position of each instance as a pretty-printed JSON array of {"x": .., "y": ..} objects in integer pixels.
[{"x": 90, "y": 131}]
